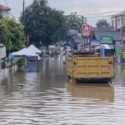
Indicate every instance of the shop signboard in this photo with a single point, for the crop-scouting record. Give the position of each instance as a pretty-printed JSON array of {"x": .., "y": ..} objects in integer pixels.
[{"x": 107, "y": 40}]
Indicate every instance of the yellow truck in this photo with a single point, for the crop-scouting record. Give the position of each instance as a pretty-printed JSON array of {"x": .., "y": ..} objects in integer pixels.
[{"x": 90, "y": 67}]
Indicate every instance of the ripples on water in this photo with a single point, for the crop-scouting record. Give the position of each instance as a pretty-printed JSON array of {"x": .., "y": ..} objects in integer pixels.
[{"x": 47, "y": 98}]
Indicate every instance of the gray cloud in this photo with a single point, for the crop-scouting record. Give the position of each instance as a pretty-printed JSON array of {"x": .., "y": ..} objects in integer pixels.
[{"x": 83, "y": 7}]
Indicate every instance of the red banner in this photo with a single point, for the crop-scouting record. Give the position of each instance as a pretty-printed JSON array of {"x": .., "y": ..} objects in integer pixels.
[{"x": 87, "y": 30}]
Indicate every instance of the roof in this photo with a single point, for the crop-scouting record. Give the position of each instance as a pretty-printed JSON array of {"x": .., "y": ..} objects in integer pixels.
[
  {"x": 104, "y": 46},
  {"x": 33, "y": 48},
  {"x": 118, "y": 14},
  {"x": 24, "y": 52},
  {"x": 31, "y": 51},
  {"x": 4, "y": 8}
]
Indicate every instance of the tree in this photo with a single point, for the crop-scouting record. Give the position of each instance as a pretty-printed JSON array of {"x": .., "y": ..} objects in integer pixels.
[
  {"x": 103, "y": 25},
  {"x": 43, "y": 25},
  {"x": 75, "y": 22},
  {"x": 11, "y": 34}
]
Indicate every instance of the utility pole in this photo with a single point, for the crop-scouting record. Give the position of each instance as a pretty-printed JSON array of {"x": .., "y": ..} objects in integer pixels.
[{"x": 23, "y": 7}]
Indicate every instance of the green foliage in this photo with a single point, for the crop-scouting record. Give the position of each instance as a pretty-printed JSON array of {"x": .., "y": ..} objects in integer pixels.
[
  {"x": 103, "y": 25},
  {"x": 21, "y": 62},
  {"x": 43, "y": 25},
  {"x": 75, "y": 21},
  {"x": 11, "y": 34}
]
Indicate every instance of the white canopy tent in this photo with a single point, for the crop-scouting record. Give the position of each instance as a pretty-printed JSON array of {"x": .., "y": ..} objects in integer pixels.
[
  {"x": 32, "y": 48},
  {"x": 31, "y": 51},
  {"x": 20, "y": 52},
  {"x": 104, "y": 46}
]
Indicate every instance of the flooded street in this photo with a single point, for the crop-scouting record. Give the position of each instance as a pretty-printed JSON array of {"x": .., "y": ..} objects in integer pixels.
[{"x": 48, "y": 98}]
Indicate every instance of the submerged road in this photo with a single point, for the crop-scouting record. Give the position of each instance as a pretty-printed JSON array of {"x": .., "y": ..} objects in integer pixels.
[{"x": 48, "y": 98}]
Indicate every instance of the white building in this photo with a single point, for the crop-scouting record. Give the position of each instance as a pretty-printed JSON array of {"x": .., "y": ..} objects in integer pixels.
[{"x": 118, "y": 21}]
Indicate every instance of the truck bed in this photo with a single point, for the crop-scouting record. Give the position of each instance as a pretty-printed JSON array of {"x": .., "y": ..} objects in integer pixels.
[{"x": 79, "y": 67}]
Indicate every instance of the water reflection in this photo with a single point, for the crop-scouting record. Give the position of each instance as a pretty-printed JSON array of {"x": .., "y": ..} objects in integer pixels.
[
  {"x": 47, "y": 98},
  {"x": 120, "y": 75},
  {"x": 52, "y": 73},
  {"x": 13, "y": 82},
  {"x": 103, "y": 92},
  {"x": 32, "y": 66}
]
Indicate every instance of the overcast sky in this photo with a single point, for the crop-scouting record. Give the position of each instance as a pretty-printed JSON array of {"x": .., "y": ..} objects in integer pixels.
[{"x": 93, "y": 9}]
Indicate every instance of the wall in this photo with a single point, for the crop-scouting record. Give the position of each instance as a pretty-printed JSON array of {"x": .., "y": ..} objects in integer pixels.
[{"x": 2, "y": 52}]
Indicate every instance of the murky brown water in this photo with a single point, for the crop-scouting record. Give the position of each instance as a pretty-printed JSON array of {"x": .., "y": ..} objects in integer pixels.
[{"x": 47, "y": 98}]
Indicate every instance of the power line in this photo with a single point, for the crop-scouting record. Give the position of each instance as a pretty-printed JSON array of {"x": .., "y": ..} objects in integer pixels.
[
  {"x": 99, "y": 16},
  {"x": 107, "y": 12},
  {"x": 102, "y": 14}
]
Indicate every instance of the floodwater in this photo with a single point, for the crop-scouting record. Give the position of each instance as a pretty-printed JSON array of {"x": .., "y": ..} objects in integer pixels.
[{"x": 48, "y": 98}]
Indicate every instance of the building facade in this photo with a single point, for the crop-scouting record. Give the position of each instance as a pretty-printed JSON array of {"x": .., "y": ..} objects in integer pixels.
[
  {"x": 2, "y": 51},
  {"x": 118, "y": 21}
]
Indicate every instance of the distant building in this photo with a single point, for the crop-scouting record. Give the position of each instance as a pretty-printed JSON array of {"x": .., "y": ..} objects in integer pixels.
[
  {"x": 4, "y": 10},
  {"x": 118, "y": 21}
]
